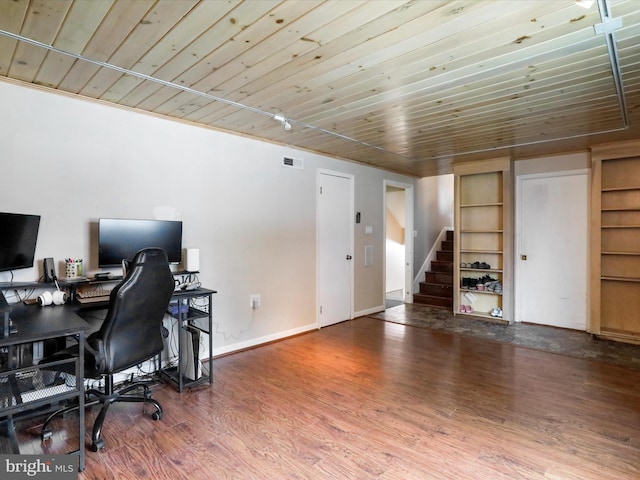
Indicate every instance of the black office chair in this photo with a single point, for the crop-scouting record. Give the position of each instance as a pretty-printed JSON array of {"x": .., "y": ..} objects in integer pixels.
[{"x": 130, "y": 334}]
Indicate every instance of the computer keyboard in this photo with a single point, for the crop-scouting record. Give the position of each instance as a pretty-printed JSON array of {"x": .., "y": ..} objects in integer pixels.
[{"x": 94, "y": 295}]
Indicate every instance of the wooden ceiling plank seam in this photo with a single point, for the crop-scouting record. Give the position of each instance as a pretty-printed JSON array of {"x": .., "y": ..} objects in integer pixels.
[
  {"x": 523, "y": 136},
  {"x": 492, "y": 110},
  {"x": 228, "y": 27},
  {"x": 281, "y": 89},
  {"x": 202, "y": 17},
  {"x": 447, "y": 46},
  {"x": 328, "y": 50},
  {"x": 11, "y": 20},
  {"x": 151, "y": 29},
  {"x": 176, "y": 102},
  {"x": 28, "y": 58},
  {"x": 75, "y": 33},
  {"x": 256, "y": 64},
  {"x": 435, "y": 113},
  {"x": 422, "y": 117},
  {"x": 504, "y": 85},
  {"x": 260, "y": 34},
  {"x": 108, "y": 36},
  {"x": 451, "y": 79},
  {"x": 432, "y": 115},
  {"x": 397, "y": 97},
  {"x": 540, "y": 116},
  {"x": 185, "y": 55},
  {"x": 526, "y": 70},
  {"x": 491, "y": 131},
  {"x": 427, "y": 134}
]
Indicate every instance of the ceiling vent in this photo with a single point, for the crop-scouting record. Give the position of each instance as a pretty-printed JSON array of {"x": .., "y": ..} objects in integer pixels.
[{"x": 293, "y": 162}]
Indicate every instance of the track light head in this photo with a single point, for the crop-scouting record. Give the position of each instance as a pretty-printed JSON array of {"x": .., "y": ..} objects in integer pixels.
[{"x": 284, "y": 121}]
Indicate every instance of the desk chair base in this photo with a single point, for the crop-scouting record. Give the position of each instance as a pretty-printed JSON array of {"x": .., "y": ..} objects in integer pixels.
[{"x": 106, "y": 398}]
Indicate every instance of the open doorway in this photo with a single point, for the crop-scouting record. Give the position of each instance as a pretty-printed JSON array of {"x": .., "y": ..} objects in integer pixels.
[{"x": 398, "y": 243}]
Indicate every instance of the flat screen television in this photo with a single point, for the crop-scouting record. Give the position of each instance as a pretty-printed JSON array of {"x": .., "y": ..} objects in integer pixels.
[
  {"x": 18, "y": 236},
  {"x": 120, "y": 239}
]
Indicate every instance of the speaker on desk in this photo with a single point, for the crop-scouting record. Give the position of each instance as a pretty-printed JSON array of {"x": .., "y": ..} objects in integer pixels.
[
  {"x": 193, "y": 260},
  {"x": 49, "y": 269}
]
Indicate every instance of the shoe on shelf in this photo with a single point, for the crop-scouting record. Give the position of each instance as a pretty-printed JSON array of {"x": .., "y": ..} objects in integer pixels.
[{"x": 484, "y": 266}]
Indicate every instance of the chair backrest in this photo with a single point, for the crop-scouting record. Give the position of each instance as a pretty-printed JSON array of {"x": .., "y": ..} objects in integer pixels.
[{"x": 132, "y": 330}]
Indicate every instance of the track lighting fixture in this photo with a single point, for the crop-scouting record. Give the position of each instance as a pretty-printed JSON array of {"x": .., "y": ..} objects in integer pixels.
[{"x": 284, "y": 121}]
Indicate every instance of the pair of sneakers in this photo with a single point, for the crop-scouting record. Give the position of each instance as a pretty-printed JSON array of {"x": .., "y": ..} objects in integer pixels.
[
  {"x": 466, "y": 309},
  {"x": 496, "y": 312}
]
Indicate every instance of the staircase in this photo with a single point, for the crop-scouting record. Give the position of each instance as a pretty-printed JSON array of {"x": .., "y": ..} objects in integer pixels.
[{"x": 437, "y": 289}]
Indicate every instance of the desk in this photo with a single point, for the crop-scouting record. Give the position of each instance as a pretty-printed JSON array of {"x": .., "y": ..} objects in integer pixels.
[{"x": 35, "y": 323}]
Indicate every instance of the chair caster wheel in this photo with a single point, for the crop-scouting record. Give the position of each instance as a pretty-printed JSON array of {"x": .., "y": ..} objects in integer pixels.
[
  {"x": 99, "y": 445},
  {"x": 46, "y": 435},
  {"x": 156, "y": 415}
]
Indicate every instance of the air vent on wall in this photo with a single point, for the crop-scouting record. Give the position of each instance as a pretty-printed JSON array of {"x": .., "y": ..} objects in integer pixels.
[{"x": 293, "y": 162}]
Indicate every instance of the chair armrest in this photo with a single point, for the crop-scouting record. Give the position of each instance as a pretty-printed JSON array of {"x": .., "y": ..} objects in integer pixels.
[{"x": 98, "y": 352}]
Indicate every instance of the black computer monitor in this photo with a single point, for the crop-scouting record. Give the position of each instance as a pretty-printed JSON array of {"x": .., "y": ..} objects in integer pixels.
[
  {"x": 18, "y": 236},
  {"x": 120, "y": 239}
]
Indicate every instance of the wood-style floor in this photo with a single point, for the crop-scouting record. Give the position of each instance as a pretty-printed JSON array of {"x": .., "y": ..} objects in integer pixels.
[{"x": 368, "y": 399}]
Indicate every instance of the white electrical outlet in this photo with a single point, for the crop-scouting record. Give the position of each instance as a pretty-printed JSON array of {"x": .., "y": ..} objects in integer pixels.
[{"x": 254, "y": 301}]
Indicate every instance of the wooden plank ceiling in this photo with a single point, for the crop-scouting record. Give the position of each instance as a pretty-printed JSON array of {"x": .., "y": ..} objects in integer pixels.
[{"x": 409, "y": 86}]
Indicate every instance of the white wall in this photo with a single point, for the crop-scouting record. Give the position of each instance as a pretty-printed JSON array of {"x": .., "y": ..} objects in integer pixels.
[{"x": 73, "y": 161}]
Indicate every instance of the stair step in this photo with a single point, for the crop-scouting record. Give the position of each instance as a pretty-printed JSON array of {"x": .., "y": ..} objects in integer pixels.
[
  {"x": 439, "y": 277},
  {"x": 432, "y": 301},
  {"x": 441, "y": 266},
  {"x": 436, "y": 290},
  {"x": 449, "y": 235},
  {"x": 444, "y": 255},
  {"x": 447, "y": 245}
]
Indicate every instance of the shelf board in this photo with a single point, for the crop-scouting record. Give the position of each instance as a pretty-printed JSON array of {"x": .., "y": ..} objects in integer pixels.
[
  {"x": 481, "y": 231},
  {"x": 630, "y": 254},
  {"x": 620, "y": 279},
  {"x": 484, "y": 316},
  {"x": 620, "y": 227},
  {"x": 619, "y": 189},
  {"x": 472, "y": 205},
  {"x": 620, "y": 209},
  {"x": 492, "y": 270},
  {"x": 494, "y": 252}
]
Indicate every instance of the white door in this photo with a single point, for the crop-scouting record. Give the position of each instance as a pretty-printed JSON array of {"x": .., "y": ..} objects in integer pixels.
[
  {"x": 552, "y": 254},
  {"x": 335, "y": 240}
]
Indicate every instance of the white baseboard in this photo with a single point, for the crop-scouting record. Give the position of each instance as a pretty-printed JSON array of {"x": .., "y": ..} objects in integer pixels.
[
  {"x": 369, "y": 311},
  {"x": 234, "y": 347}
]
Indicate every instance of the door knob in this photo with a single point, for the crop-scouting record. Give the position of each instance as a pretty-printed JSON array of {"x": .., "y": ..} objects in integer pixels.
[{"x": 523, "y": 257}]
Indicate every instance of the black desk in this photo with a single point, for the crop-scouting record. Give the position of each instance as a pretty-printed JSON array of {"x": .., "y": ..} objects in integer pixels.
[{"x": 35, "y": 323}]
